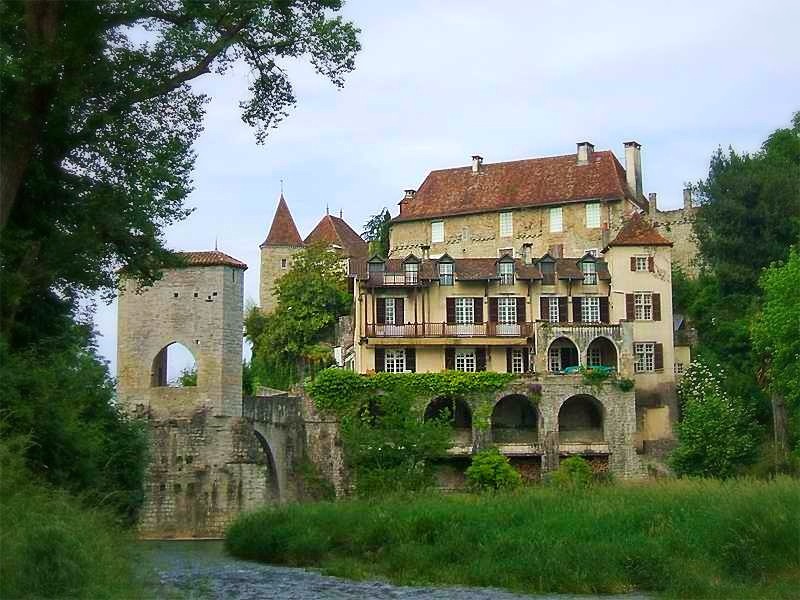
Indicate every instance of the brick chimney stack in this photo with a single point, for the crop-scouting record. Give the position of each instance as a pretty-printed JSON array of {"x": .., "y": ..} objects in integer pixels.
[
  {"x": 477, "y": 163},
  {"x": 585, "y": 151},
  {"x": 652, "y": 204}
]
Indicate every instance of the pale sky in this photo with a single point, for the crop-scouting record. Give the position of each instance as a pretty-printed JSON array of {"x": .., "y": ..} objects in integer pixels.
[{"x": 439, "y": 81}]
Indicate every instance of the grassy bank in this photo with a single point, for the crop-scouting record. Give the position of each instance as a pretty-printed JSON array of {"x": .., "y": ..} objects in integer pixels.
[
  {"x": 683, "y": 538},
  {"x": 53, "y": 546}
]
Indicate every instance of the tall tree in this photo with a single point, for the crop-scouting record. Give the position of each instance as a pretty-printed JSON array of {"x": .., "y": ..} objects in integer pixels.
[
  {"x": 98, "y": 119},
  {"x": 376, "y": 232}
]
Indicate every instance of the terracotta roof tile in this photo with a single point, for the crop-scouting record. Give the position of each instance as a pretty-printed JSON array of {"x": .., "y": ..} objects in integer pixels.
[
  {"x": 637, "y": 231},
  {"x": 283, "y": 231},
  {"x": 333, "y": 230},
  {"x": 516, "y": 184},
  {"x": 210, "y": 258}
]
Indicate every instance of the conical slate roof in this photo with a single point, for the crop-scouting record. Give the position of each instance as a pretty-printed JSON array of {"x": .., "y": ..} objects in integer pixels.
[{"x": 283, "y": 231}]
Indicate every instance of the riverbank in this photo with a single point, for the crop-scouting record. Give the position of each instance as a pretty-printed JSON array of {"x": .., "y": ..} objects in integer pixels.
[{"x": 680, "y": 538}]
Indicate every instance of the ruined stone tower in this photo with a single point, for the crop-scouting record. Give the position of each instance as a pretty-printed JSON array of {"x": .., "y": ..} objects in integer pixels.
[{"x": 282, "y": 243}]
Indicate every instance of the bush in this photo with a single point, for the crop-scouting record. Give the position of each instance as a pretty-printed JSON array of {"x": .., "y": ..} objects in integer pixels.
[
  {"x": 491, "y": 470},
  {"x": 573, "y": 472},
  {"x": 53, "y": 546}
]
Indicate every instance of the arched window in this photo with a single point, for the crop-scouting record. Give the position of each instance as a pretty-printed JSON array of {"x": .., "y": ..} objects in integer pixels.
[
  {"x": 601, "y": 353},
  {"x": 580, "y": 420},
  {"x": 561, "y": 355},
  {"x": 174, "y": 366}
]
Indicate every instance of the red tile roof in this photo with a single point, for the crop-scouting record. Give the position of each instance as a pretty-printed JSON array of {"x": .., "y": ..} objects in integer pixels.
[
  {"x": 637, "y": 231},
  {"x": 210, "y": 258},
  {"x": 516, "y": 184},
  {"x": 335, "y": 231},
  {"x": 283, "y": 231}
]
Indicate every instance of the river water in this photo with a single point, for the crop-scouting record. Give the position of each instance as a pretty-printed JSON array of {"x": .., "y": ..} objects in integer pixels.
[{"x": 198, "y": 570}]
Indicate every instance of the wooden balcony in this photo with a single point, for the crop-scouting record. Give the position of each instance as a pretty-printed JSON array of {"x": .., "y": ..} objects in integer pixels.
[
  {"x": 450, "y": 330},
  {"x": 393, "y": 280}
]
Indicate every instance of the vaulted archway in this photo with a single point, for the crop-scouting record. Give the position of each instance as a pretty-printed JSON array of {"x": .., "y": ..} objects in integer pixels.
[
  {"x": 601, "y": 352},
  {"x": 457, "y": 412},
  {"x": 174, "y": 366},
  {"x": 515, "y": 420},
  {"x": 580, "y": 420},
  {"x": 562, "y": 354}
]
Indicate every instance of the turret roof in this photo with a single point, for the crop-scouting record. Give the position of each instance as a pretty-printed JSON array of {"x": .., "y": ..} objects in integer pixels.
[{"x": 283, "y": 231}]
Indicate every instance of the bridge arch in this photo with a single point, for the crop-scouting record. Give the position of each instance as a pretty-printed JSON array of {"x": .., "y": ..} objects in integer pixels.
[{"x": 273, "y": 484}]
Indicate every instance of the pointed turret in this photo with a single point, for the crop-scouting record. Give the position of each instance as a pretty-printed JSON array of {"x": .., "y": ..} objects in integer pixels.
[{"x": 283, "y": 231}]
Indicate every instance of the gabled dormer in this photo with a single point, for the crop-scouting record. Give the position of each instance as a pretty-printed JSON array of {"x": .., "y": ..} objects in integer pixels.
[
  {"x": 547, "y": 265},
  {"x": 505, "y": 269},
  {"x": 411, "y": 269},
  {"x": 445, "y": 268},
  {"x": 588, "y": 266}
]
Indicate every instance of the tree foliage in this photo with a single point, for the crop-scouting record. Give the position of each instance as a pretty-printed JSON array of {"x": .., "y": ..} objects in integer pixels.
[
  {"x": 376, "y": 232},
  {"x": 491, "y": 470},
  {"x": 776, "y": 335},
  {"x": 311, "y": 296},
  {"x": 717, "y": 434}
]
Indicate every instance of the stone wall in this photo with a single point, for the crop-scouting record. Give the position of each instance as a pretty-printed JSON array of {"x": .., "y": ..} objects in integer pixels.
[
  {"x": 678, "y": 227},
  {"x": 272, "y": 269}
]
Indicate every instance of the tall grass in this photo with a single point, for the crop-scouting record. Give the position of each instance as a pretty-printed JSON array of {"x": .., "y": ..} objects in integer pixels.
[
  {"x": 52, "y": 546},
  {"x": 683, "y": 538}
]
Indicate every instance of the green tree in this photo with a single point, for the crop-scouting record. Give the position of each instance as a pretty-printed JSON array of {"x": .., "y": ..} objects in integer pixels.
[
  {"x": 376, "y": 232},
  {"x": 776, "y": 338},
  {"x": 491, "y": 470},
  {"x": 717, "y": 434},
  {"x": 299, "y": 333}
]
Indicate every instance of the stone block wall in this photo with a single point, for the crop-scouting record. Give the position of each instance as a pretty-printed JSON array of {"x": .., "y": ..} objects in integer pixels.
[{"x": 272, "y": 269}]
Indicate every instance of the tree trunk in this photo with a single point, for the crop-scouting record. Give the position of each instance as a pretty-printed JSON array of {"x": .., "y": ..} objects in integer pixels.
[
  {"x": 779, "y": 423},
  {"x": 22, "y": 131}
]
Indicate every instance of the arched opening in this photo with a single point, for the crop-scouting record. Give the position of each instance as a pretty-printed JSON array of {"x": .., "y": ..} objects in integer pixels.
[
  {"x": 514, "y": 421},
  {"x": 174, "y": 366},
  {"x": 271, "y": 474},
  {"x": 580, "y": 420},
  {"x": 457, "y": 412},
  {"x": 562, "y": 355},
  {"x": 601, "y": 353}
]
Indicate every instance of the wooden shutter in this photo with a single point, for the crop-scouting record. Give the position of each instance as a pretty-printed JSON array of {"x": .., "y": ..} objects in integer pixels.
[
  {"x": 577, "y": 316},
  {"x": 633, "y": 263},
  {"x": 520, "y": 311},
  {"x": 658, "y": 357},
  {"x": 451, "y": 310},
  {"x": 651, "y": 264},
  {"x": 399, "y": 316},
  {"x": 509, "y": 351},
  {"x": 526, "y": 360},
  {"x": 563, "y": 317},
  {"x": 544, "y": 308},
  {"x": 605, "y": 317},
  {"x": 380, "y": 307},
  {"x": 478, "y": 311},
  {"x": 480, "y": 359},
  {"x": 450, "y": 359},
  {"x": 656, "y": 307},
  {"x": 630, "y": 313},
  {"x": 411, "y": 359},
  {"x": 380, "y": 360},
  {"x": 493, "y": 310}
]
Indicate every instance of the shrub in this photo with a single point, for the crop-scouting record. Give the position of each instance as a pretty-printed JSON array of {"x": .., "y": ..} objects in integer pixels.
[
  {"x": 573, "y": 472},
  {"x": 490, "y": 470}
]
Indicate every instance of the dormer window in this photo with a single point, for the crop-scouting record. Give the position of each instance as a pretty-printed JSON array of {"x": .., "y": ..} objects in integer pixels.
[
  {"x": 547, "y": 265},
  {"x": 446, "y": 271},
  {"x": 588, "y": 266},
  {"x": 411, "y": 270},
  {"x": 375, "y": 265},
  {"x": 506, "y": 271}
]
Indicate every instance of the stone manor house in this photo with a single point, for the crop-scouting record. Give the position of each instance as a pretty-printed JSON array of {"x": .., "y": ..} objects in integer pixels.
[{"x": 535, "y": 267}]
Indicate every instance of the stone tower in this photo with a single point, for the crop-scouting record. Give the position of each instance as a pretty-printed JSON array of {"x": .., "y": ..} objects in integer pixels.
[
  {"x": 282, "y": 243},
  {"x": 199, "y": 306}
]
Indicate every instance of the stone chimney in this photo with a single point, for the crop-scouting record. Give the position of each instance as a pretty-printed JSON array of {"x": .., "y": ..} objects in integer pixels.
[
  {"x": 426, "y": 252},
  {"x": 477, "y": 164},
  {"x": 687, "y": 198},
  {"x": 652, "y": 205},
  {"x": 633, "y": 167},
  {"x": 410, "y": 194},
  {"x": 585, "y": 151}
]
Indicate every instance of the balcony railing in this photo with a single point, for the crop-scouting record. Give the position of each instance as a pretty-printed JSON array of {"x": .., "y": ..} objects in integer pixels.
[
  {"x": 581, "y": 332},
  {"x": 394, "y": 279},
  {"x": 410, "y": 330}
]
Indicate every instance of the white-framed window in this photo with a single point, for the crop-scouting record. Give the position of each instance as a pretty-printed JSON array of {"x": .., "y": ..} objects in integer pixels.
[
  {"x": 556, "y": 220},
  {"x": 590, "y": 309},
  {"x": 506, "y": 310},
  {"x": 589, "y": 273},
  {"x": 465, "y": 360},
  {"x": 412, "y": 272},
  {"x": 645, "y": 357},
  {"x": 389, "y": 312},
  {"x": 437, "y": 232},
  {"x": 445, "y": 273},
  {"x": 394, "y": 360},
  {"x": 554, "y": 360},
  {"x": 592, "y": 251},
  {"x": 642, "y": 264},
  {"x": 593, "y": 215},
  {"x": 594, "y": 357},
  {"x": 506, "y": 273},
  {"x": 552, "y": 309},
  {"x": 517, "y": 362},
  {"x": 465, "y": 311},
  {"x": 643, "y": 306},
  {"x": 284, "y": 263},
  {"x": 506, "y": 224},
  {"x": 678, "y": 368}
]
